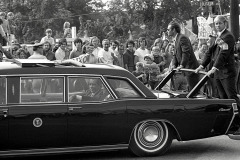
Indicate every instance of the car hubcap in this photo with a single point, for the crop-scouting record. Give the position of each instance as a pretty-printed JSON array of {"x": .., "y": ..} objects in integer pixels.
[{"x": 150, "y": 134}]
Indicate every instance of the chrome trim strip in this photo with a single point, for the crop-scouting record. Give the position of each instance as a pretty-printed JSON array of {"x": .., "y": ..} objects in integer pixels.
[
  {"x": 72, "y": 108},
  {"x": 47, "y": 75},
  {"x": 235, "y": 112},
  {"x": 111, "y": 90},
  {"x": 63, "y": 150}
]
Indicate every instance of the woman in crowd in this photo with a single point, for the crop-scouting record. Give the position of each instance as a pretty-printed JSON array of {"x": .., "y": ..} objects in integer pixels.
[{"x": 22, "y": 54}]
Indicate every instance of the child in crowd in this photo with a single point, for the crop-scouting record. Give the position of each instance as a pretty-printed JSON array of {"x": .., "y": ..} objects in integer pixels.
[
  {"x": 157, "y": 57},
  {"x": 48, "y": 38},
  {"x": 139, "y": 72},
  {"x": 67, "y": 32},
  {"x": 12, "y": 26},
  {"x": 152, "y": 71}
]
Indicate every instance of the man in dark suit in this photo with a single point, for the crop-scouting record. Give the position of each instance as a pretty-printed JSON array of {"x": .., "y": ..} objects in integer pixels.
[
  {"x": 183, "y": 56},
  {"x": 94, "y": 93},
  {"x": 221, "y": 55}
]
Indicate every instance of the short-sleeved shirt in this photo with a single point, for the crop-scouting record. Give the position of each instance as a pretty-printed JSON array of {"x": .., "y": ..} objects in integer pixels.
[
  {"x": 96, "y": 51},
  {"x": 50, "y": 40},
  {"x": 141, "y": 53},
  {"x": 105, "y": 57},
  {"x": 61, "y": 54}
]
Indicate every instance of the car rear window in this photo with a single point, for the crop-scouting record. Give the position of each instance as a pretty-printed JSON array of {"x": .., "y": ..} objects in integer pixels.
[
  {"x": 124, "y": 88},
  {"x": 47, "y": 89}
]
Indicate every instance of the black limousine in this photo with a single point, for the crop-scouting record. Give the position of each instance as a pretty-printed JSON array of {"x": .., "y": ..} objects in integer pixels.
[{"x": 51, "y": 108}]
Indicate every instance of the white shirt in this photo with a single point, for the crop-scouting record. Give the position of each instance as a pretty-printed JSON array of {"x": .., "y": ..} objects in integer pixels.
[
  {"x": 96, "y": 51},
  {"x": 36, "y": 55},
  {"x": 50, "y": 40},
  {"x": 105, "y": 56},
  {"x": 60, "y": 54},
  {"x": 141, "y": 53},
  {"x": 220, "y": 33}
]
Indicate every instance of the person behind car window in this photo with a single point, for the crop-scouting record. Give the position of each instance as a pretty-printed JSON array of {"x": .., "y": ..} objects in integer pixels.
[{"x": 94, "y": 93}]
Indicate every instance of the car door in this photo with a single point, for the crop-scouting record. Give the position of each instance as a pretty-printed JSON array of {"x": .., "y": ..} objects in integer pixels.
[
  {"x": 98, "y": 122},
  {"x": 3, "y": 115},
  {"x": 37, "y": 113}
]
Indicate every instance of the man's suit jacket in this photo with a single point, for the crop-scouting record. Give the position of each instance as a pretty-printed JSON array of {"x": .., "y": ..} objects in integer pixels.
[
  {"x": 184, "y": 54},
  {"x": 221, "y": 55}
]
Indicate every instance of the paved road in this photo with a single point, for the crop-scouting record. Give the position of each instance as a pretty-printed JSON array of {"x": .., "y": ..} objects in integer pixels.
[{"x": 217, "y": 148}]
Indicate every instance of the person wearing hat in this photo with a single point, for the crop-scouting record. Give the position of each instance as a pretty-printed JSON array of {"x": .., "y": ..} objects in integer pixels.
[{"x": 37, "y": 52}]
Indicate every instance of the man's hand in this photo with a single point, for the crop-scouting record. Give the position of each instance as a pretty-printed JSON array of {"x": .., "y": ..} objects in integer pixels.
[
  {"x": 75, "y": 98},
  {"x": 199, "y": 69},
  {"x": 212, "y": 71},
  {"x": 179, "y": 68}
]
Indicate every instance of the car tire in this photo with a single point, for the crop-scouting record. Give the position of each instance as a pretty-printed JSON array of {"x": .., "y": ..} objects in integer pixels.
[{"x": 151, "y": 138}]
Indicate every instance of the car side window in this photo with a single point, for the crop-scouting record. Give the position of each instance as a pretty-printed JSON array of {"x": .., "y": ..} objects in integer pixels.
[
  {"x": 47, "y": 89},
  {"x": 124, "y": 88},
  {"x": 85, "y": 89},
  {"x": 2, "y": 91}
]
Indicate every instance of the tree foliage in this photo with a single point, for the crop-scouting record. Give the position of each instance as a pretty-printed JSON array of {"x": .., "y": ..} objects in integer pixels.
[{"x": 114, "y": 20}]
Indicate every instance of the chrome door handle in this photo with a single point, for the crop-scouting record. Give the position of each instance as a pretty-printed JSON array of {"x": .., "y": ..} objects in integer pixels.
[
  {"x": 5, "y": 112},
  {"x": 74, "y": 108}
]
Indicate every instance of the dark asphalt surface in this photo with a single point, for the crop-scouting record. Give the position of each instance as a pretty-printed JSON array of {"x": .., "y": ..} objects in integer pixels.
[{"x": 217, "y": 148}]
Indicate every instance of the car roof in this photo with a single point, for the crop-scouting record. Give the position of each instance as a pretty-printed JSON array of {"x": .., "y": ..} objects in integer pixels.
[{"x": 49, "y": 68}]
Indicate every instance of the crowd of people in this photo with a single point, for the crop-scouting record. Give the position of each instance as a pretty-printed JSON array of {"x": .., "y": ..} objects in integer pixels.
[{"x": 148, "y": 62}]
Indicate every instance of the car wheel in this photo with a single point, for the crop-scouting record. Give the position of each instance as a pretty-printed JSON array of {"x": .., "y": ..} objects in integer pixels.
[{"x": 151, "y": 138}]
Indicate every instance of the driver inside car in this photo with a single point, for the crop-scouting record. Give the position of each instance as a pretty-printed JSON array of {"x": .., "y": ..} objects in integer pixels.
[{"x": 94, "y": 93}]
